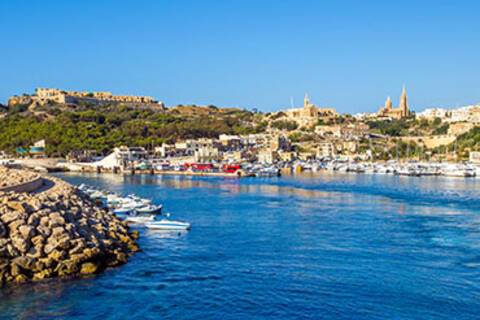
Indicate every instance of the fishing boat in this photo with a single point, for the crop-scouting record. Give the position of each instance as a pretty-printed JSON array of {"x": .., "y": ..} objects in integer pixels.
[{"x": 166, "y": 224}]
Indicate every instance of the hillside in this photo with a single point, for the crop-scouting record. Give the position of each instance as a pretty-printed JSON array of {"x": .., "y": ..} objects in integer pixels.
[
  {"x": 469, "y": 141},
  {"x": 67, "y": 128}
]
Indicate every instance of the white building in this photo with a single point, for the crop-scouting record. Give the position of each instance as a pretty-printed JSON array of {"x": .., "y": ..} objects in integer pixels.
[
  {"x": 206, "y": 154},
  {"x": 267, "y": 156},
  {"x": 432, "y": 113},
  {"x": 121, "y": 157},
  {"x": 475, "y": 157},
  {"x": 467, "y": 114}
]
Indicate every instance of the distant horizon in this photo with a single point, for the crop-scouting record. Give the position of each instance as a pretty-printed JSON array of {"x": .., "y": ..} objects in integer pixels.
[{"x": 251, "y": 54}]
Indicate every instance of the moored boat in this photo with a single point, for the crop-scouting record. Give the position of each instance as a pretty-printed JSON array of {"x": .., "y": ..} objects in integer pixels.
[
  {"x": 458, "y": 171},
  {"x": 149, "y": 209},
  {"x": 140, "y": 219},
  {"x": 166, "y": 224},
  {"x": 123, "y": 211}
]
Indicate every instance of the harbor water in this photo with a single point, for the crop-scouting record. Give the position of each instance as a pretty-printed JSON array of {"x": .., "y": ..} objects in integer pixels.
[{"x": 319, "y": 246}]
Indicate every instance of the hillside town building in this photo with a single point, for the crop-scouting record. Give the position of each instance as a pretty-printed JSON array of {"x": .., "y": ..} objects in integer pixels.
[
  {"x": 467, "y": 114},
  {"x": 309, "y": 114},
  {"x": 44, "y": 96},
  {"x": 470, "y": 114},
  {"x": 433, "y": 113}
]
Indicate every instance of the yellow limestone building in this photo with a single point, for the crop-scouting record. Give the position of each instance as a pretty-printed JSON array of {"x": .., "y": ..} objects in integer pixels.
[{"x": 309, "y": 114}]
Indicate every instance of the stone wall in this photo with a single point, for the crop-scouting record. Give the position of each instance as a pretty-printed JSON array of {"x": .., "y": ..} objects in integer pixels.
[{"x": 431, "y": 142}]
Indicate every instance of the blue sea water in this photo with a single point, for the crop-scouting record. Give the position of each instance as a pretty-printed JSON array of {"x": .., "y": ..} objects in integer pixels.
[{"x": 324, "y": 246}]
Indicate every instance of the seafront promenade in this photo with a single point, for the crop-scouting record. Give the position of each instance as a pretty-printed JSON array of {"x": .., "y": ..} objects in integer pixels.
[{"x": 255, "y": 169}]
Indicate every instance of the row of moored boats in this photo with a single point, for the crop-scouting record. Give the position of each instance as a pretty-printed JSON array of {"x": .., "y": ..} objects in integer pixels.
[
  {"x": 396, "y": 168},
  {"x": 408, "y": 169},
  {"x": 134, "y": 209}
]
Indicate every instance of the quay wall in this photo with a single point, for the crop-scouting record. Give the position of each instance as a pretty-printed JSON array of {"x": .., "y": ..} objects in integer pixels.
[
  {"x": 239, "y": 174},
  {"x": 29, "y": 186}
]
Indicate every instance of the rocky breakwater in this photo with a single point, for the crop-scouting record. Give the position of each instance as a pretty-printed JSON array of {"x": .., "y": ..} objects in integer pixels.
[{"x": 58, "y": 232}]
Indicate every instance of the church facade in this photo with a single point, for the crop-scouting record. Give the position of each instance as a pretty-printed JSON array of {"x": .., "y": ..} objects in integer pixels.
[{"x": 401, "y": 112}]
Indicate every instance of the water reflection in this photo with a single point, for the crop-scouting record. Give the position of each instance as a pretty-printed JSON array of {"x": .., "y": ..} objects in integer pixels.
[
  {"x": 165, "y": 234},
  {"x": 424, "y": 190}
]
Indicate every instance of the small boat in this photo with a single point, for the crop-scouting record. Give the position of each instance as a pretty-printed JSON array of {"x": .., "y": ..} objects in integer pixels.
[
  {"x": 165, "y": 224},
  {"x": 268, "y": 172},
  {"x": 129, "y": 205},
  {"x": 136, "y": 199},
  {"x": 139, "y": 219},
  {"x": 97, "y": 195},
  {"x": 150, "y": 209}
]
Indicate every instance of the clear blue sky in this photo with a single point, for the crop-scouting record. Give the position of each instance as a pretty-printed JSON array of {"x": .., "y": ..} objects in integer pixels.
[{"x": 346, "y": 54}]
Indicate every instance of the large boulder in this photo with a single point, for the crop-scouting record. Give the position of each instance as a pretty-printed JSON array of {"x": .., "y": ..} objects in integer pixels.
[
  {"x": 25, "y": 263},
  {"x": 14, "y": 226},
  {"x": 11, "y": 215},
  {"x": 20, "y": 244},
  {"x": 27, "y": 232},
  {"x": 88, "y": 268}
]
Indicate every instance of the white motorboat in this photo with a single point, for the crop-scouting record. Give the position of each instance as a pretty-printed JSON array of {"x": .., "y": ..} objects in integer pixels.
[
  {"x": 130, "y": 205},
  {"x": 113, "y": 200},
  {"x": 140, "y": 219},
  {"x": 458, "y": 171},
  {"x": 149, "y": 209},
  {"x": 268, "y": 172},
  {"x": 97, "y": 195},
  {"x": 165, "y": 224},
  {"x": 134, "y": 201}
]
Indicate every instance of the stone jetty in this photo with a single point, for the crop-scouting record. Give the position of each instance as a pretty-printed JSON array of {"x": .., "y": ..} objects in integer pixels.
[{"x": 56, "y": 231}]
